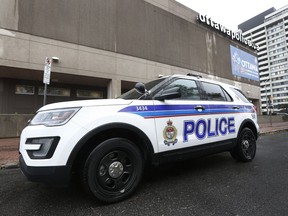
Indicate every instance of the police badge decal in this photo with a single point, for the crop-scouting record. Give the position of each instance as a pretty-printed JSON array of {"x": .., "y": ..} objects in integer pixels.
[{"x": 170, "y": 134}]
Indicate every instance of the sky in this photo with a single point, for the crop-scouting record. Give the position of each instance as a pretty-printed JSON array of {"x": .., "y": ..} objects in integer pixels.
[{"x": 232, "y": 13}]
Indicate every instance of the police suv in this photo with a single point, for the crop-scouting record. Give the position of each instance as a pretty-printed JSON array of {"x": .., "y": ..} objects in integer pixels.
[{"x": 107, "y": 143}]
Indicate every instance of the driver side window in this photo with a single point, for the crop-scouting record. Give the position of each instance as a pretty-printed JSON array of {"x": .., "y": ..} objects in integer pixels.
[{"x": 188, "y": 89}]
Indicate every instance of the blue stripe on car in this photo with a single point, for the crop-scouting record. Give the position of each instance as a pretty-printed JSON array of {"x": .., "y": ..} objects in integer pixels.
[{"x": 160, "y": 111}]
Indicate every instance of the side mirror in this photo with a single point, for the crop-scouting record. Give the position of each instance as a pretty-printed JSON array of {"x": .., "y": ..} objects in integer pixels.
[
  {"x": 170, "y": 93},
  {"x": 140, "y": 87}
]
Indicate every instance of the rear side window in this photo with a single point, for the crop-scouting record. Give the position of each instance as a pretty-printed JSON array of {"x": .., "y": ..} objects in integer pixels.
[
  {"x": 214, "y": 92},
  {"x": 240, "y": 95}
]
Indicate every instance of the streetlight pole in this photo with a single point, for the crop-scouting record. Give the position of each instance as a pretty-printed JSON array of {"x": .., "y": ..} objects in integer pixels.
[
  {"x": 266, "y": 95},
  {"x": 267, "y": 103}
]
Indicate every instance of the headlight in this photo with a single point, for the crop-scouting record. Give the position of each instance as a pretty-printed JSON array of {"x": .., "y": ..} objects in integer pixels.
[{"x": 54, "y": 117}]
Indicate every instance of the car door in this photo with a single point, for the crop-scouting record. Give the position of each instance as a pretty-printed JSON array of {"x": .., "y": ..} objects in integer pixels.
[
  {"x": 224, "y": 113},
  {"x": 181, "y": 121}
]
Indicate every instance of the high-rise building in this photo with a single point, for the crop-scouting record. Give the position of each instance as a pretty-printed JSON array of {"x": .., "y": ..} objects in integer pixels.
[{"x": 269, "y": 30}]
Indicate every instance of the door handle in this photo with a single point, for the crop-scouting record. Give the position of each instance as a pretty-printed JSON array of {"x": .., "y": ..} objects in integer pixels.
[
  {"x": 199, "y": 108},
  {"x": 236, "y": 107}
]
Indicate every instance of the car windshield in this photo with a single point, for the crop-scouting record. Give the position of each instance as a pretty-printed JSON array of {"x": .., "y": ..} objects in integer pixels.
[{"x": 134, "y": 94}]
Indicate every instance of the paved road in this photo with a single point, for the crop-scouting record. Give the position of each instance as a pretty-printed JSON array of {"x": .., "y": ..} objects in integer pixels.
[{"x": 215, "y": 185}]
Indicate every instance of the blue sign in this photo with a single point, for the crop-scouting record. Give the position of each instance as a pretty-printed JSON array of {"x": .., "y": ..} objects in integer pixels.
[{"x": 244, "y": 64}]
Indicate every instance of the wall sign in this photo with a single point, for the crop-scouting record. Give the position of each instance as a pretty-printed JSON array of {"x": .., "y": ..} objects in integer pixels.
[
  {"x": 244, "y": 64},
  {"x": 222, "y": 29}
]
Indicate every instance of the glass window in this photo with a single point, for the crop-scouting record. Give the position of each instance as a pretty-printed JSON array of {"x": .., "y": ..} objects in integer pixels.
[
  {"x": 89, "y": 93},
  {"x": 213, "y": 92},
  {"x": 240, "y": 94},
  {"x": 188, "y": 89},
  {"x": 53, "y": 91},
  {"x": 134, "y": 94},
  {"x": 24, "y": 89}
]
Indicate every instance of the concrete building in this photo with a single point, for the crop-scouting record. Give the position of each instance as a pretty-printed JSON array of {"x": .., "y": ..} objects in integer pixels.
[
  {"x": 106, "y": 46},
  {"x": 270, "y": 31}
]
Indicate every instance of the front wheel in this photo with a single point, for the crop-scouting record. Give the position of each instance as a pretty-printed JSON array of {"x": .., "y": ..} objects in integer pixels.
[
  {"x": 246, "y": 146},
  {"x": 113, "y": 170}
]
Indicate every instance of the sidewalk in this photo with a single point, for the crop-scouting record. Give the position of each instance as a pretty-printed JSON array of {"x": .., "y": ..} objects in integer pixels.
[
  {"x": 9, "y": 146},
  {"x": 267, "y": 128},
  {"x": 9, "y": 153}
]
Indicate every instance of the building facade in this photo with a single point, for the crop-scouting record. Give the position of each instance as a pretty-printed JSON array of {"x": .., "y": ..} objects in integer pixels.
[
  {"x": 270, "y": 31},
  {"x": 104, "y": 47}
]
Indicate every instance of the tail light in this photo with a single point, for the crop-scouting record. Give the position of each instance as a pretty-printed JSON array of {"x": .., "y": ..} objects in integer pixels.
[{"x": 254, "y": 109}]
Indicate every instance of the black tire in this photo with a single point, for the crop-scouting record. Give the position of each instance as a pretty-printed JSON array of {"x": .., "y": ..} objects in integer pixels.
[
  {"x": 113, "y": 170},
  {"x": 245, "y": 150}
]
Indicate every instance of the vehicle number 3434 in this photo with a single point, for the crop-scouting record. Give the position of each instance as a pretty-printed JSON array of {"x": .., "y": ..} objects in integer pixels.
[{"x": 142, "y": 108}]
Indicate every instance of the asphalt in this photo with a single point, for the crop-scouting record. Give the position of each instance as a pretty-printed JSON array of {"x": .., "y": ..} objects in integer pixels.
[{"x": 9, "y": 147}]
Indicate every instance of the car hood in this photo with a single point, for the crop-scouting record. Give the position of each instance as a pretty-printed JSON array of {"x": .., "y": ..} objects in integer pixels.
[{"x": 85, "y": 103}]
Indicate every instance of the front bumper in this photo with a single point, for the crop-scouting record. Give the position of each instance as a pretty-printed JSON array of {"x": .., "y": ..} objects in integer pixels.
[{"x": 55, "y": 175}]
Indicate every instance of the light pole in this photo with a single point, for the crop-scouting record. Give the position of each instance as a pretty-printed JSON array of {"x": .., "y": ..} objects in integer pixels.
[
  {"x": 266, "y": 94},
  {"x": 267, "y": 103}
]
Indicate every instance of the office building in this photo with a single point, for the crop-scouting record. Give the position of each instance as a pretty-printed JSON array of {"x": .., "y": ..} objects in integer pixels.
[
  {"x": 100, "y": 49},
  {"x": 269, "y": 30}
]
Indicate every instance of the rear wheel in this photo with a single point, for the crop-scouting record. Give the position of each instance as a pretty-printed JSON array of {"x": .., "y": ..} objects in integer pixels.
[
  {"x": 113, "y": 170},
  {"x": 246, "y": 146}
]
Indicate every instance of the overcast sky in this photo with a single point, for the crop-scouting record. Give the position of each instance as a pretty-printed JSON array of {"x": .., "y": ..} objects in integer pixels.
[{"x": 232, "y": 13}]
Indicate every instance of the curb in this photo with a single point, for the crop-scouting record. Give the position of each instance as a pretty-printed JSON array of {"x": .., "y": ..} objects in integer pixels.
[
  {"x": 273, "y": 131},
  {"x": 11, "y": 165}
]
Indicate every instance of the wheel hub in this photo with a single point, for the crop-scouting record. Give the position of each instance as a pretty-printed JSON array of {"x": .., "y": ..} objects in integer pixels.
[
  {"x": 116, "y": 169},
  {"x": 246, "y": 144}
]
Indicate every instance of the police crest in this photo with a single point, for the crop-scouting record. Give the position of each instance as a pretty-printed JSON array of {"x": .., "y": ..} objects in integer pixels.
[{"x": 170, "y": 134}]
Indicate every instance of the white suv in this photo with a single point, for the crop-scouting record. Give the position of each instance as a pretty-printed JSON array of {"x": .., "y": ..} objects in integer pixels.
[{"x": 108, "y": 142}]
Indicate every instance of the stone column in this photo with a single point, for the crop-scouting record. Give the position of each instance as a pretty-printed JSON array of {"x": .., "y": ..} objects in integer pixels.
[{"x": 114, "y": 88}]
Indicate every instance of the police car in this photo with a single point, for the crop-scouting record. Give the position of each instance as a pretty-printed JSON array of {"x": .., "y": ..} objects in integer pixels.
[{"x": 107, "y": 143}]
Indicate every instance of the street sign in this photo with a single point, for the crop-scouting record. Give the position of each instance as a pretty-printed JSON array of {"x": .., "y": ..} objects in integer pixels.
[{"x": 47, "y": 71}]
